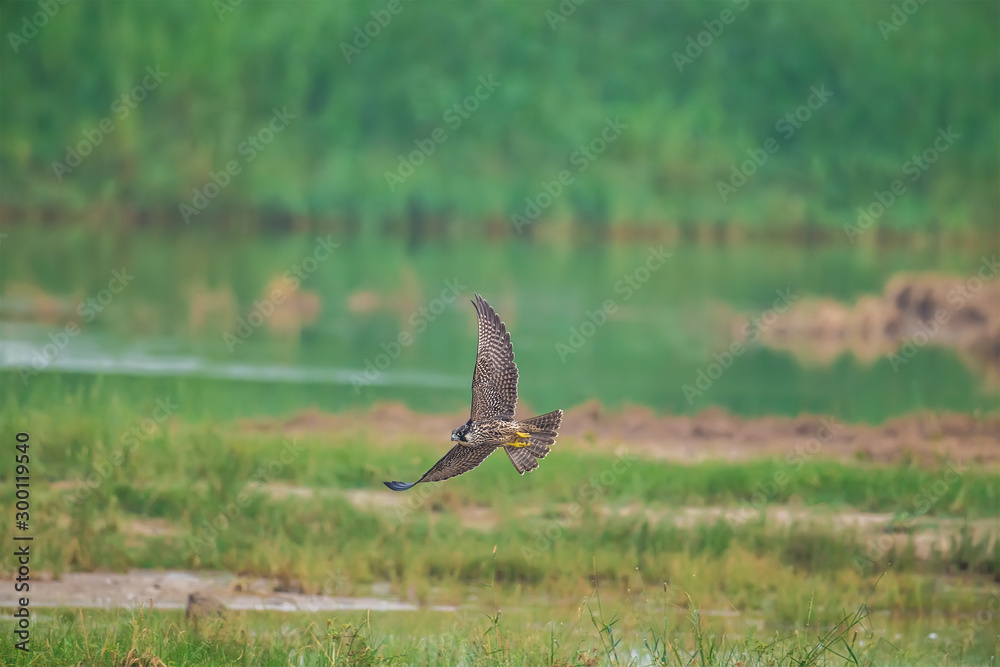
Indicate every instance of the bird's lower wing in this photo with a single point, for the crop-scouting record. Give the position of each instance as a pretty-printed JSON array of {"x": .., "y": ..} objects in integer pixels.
[{"x": 460, "y": 459}]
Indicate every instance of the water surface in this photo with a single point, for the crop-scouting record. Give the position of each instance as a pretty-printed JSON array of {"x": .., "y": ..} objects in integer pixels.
[{"x": 364, "y": 321}]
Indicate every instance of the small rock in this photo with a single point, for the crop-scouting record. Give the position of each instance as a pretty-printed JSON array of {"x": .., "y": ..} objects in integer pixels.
[{"x": 200, "y": 604}]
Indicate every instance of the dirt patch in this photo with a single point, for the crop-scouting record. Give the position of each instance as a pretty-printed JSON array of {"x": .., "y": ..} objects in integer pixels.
[
  {"x": 712, "y": 434},
  {"x": 173, "y": 590},
  {"x": 150, "y": 528},
  {"x": 914, "y": 310}
]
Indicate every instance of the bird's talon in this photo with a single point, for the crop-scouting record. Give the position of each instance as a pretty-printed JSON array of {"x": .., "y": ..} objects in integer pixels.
[{"x": 521, "y": 439}]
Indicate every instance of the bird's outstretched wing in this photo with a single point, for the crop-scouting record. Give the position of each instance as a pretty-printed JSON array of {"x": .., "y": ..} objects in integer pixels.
[
  {"x": 459, "y": 460},
  {"x": 494, "y": 382}
]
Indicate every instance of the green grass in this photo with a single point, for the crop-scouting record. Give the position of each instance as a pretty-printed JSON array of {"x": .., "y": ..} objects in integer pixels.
[
  {"x": 637, "y": 629},
  {"x": 229, "y": 498},
  {"x": 177, "y": 469},
  {"x": 202, "y": 484}
]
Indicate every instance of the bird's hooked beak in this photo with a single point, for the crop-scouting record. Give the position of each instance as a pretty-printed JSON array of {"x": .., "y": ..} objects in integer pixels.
[{"x": 454, "y": 437}]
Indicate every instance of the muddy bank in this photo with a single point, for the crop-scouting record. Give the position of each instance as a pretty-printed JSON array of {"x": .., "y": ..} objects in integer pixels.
[
  {"x": 925, "y": 438},
  {"x": 913, "y": 311},
  {"x": 172, "y": 590}
]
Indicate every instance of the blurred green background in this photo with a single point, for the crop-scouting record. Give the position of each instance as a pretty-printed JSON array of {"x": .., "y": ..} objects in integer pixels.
[{"x": 204, "y": 147}]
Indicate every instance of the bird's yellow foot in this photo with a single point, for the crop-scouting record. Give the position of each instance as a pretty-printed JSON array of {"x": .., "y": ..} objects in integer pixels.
[{"x": 521, "y": 439}]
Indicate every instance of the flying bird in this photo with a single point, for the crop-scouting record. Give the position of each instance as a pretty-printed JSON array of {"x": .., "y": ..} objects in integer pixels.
[{"x": 491, "y": 423}]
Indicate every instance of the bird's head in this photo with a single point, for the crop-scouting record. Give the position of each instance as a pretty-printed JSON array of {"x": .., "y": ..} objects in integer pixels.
[{"x": 460, "y": 433}]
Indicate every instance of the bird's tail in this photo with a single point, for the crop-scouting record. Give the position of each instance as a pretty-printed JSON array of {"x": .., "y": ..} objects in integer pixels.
[{"x": 543, "y": 429}]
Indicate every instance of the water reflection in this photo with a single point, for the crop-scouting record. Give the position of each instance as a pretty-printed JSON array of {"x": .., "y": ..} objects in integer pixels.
[
  {"x": 30, "y": 350},
  {"x": 207, "y": 309}
]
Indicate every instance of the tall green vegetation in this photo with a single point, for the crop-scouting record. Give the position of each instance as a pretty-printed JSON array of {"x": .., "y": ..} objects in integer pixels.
[{"x": 688, "y": 123}]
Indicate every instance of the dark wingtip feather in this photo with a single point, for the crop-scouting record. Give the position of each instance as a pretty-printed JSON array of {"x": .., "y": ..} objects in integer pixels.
[
  {"x": 479, "y": 303},
  {"x": 400, "y": 486},
  {"x": 487, "y": 311}
]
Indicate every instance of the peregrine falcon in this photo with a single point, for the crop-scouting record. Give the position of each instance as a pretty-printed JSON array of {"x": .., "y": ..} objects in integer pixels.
[{"x": 492, "y": 423}]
